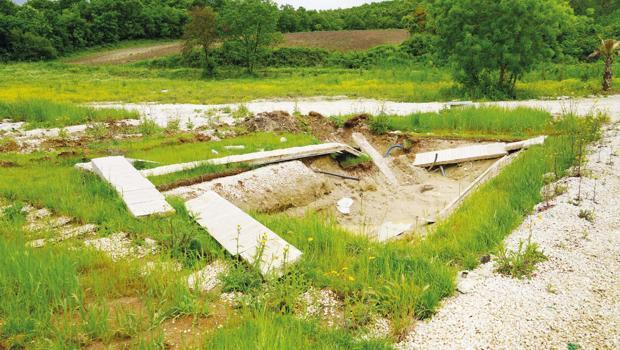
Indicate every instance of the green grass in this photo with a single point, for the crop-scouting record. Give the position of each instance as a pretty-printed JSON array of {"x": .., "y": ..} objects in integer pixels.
[
  {"x": 401, "y": 280},
  {"x": 39, "y": 113},
  {"x": 518, "y": 122},
  {"x": 410, "y": 83},
  {"x": 283, "y": 332}
]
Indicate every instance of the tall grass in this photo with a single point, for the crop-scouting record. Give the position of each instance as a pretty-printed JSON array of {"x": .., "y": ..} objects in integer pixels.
[
  {"x": 284, "y": 332},
  {"x": 518, "y": 122},
  {"x": 46, "y": 113},
  {"x": 33, "y": 286}
]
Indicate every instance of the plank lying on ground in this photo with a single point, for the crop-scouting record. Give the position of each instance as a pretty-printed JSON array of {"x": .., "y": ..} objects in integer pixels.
[
  {"x": 258, "y": 158},
  {"x": 487, "y": 175},
  {"x": 138, "y": 193},
  {"x": 376, "y": 157},
  {"x": 242, "y": 235},
  {"x": 460, "y": 155}
]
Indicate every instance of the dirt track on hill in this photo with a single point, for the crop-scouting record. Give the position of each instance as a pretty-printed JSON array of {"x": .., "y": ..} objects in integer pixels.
[{"x": 130, "y": 55}]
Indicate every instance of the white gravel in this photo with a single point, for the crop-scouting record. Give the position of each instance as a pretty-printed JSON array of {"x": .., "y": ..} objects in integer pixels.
[
  {"x": 574, "y": 297},
  {"x": 206, "y": 115},
  {"x": 209, "y": 277},
  {"x": 118, "y": 246}
]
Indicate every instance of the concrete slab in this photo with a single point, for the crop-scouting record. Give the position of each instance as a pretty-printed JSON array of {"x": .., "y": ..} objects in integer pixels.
[
  {"x": 376, "y": 157},
  {"x": 138, "y": 193},
  {"x": 515, "y": 146},
  {"x": 460, "y": 155},
  {"x": 258, "y": 158},
  {"x": 241, "y": 235}
]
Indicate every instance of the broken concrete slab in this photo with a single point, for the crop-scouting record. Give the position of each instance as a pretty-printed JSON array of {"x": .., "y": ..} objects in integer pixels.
[
  {"x": 515, "y": 146},
  {"x": 258, "y": 158},
  {"x": 376, "y": 157},
  {"x": 460, "y": 155},
  {"x": 241, "y": 235},
  {"x": 139, "y": 194}
]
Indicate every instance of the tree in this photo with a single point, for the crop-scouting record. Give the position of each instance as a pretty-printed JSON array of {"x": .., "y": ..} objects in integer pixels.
[
  {"x": 251, "y": 26},
  {"x": 201, "y": 30},
  {"x": 608, "y": 49},
  {"x": 492, "y": 43}
]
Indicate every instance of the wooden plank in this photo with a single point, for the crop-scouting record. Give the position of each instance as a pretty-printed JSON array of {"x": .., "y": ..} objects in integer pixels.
[
  {"x": 460, "y": 155},
  {"x": 139, "y": 194},
  {"x": 241, "y": 235},
  {"x": 258, "y": 158},
  {"x": 487, "y": 175},
  {"x": 376, "y": 157}
]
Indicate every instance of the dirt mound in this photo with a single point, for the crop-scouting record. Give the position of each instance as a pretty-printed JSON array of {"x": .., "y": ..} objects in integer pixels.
[
  {"x": 277, "y": 121},
  {"x": 322, "y": 128},
  {"x": 359, "y": 120}
]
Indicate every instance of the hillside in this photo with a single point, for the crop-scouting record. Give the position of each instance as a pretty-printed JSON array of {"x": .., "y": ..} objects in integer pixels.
[{"x": 349, "y": 40}]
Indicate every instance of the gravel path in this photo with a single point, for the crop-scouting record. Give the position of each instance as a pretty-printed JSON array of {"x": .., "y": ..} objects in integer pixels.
[{"x": 573, "y": 300}]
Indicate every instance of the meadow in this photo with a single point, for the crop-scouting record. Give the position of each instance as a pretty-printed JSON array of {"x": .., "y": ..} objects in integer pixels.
[
  {"x": 412, "y": 82},
  {"x": 77, "y": 304}
]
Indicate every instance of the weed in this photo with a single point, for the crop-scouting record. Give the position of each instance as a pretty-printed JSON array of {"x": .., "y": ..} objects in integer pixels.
[
  {"x": 173, "y": 126},
  {"x": 587, "y": 214},
  {"x": 148, "y": 127},
  {"x": 241, "y": 112},
  {"x": 522, "y": 262},
  {"x": 379, "y": 125},
  {"x": 240, "y": 278}
]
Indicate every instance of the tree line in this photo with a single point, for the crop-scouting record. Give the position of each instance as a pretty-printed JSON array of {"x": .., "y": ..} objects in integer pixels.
[{"x": 43, "y": 29}]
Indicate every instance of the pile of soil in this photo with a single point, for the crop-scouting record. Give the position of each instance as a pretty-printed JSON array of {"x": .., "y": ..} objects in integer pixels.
[{"x": 278, "y": 121}]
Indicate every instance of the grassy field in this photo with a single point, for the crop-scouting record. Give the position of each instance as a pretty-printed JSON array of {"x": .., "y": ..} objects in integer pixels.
[
  {"x": 412, "y": 83},
  {"x": 77, "y": 303},
  {"x": 47, "y": 114}
]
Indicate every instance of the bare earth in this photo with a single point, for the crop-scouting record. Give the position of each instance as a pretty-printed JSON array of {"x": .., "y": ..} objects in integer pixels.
[
  {"x": 574, "y": 298},
  {"x": 131, "y": 54}
]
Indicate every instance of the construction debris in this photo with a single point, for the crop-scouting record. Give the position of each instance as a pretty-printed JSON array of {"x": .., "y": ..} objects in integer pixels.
[
  {"x": 344, "y": 205},
  {"x": 515, "y": 146},
  {"x": 258, "y": 158},
  {"x": 472, "y": 153},
  {"x": 241, "y": 235},
  {"x": 376, "y": 157},
  {"x": 460, "y": 155},
  {"x": 138, "y": 193}
]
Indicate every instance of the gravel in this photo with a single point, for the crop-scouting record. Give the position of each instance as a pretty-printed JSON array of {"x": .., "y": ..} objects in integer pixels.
[
  {"x": 573, "y": 298},
  {"x": 209, "y": 277},
  {"x": 118, "y": 246}
]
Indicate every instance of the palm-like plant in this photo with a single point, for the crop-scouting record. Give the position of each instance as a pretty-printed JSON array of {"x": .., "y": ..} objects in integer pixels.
[{"x": 608, "y": 49}]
